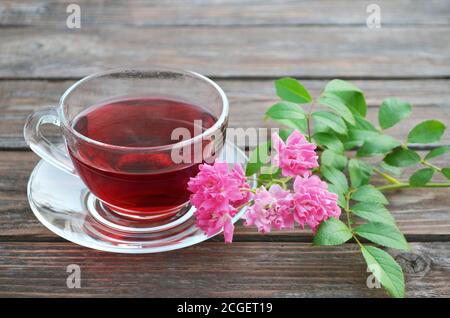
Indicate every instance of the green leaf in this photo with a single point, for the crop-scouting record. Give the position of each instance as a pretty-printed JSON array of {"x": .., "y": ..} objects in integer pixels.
[
  {"x": 330, "y": 120},
  {"x": 377, "y": 146},
  {"x": 329, "y": 141},
  {"x": 437, "y": 152},
  {"x": 392, "y": 111},
  {"x": 289, "y": 89},
  {"x": 352, "y": 144},
  {"x": 332, "y": 232},
  {"x": 426, "y": 132},
  {"x": 258, "y": 158},
  {"x": 285, "y": 110},
  {"x": 385, "y": 269},
  {"x": 285, "y": 133},
  {"x": 335, "y": 176},
  {"x": 351, "y": 95},
  {"x": 341, "y": 197},
  {"x": 359, "y": 171},
  {"x": 421, "y": 177},
  {"x": 402, "y": 157},
  {"x": 446, "y": 172},
  {"x": 333, "y": 159},
  {"x": 363, "y": 124},
  {"x": 369, "y": 193},
  {"x": 362, "y": 135},
  {"x": 335, "y": 103},
  {"x": 373, "y": 212},
  {"x": 298, "y": 124},
  {"x": 384, "y": 234},
  {"x": 396, "y": 171}
]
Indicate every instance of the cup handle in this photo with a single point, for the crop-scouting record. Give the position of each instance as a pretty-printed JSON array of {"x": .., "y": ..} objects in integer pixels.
[{"x": 41, "y": 145}]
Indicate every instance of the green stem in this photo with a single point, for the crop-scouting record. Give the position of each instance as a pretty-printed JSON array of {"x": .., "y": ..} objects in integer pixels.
[
  {"x": 308, "y": 125},
  {"x": 388, "y": 177},
  {"x": 248, "y": 190},
  {"x": 347, "y": 211},
  {"x": 404, "y": 185},
  {"x": 426, "y": 163},
  {"x": 308, "y": 120}
]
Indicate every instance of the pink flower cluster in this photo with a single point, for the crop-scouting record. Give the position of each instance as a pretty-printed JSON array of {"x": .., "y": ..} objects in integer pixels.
[
  {"x": 218, "y": 192},
  {"x": 271, "y": 209},
  {"x": 296, "y": 157}
]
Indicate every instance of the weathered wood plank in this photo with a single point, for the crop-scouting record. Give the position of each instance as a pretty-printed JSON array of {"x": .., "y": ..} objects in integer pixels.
[
  {"x": 41, "y": 52},
  {"x": 422, "y": 214},
  {"x": 215, "y": 270},
  {"x": 223, "y": 13},
  {"x": 249, "y": 99}
]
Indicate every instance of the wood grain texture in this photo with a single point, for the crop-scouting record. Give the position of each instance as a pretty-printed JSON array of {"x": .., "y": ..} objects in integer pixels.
[
  {"x": 236, "y": 270},
  {"x": 223, "y": 13},
  {"x": 41, "y": 52},
  {"x": 422, "y": 214},
  {"x": 249, "y": 99},
  {"x": 244, "y": 44}
]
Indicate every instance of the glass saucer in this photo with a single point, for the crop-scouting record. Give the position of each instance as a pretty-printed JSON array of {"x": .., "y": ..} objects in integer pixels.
[{"x": 65, "y": 206}]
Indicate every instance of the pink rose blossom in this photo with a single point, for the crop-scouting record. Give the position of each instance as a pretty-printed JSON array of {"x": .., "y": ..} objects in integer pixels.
[
  {"x": 271, "y": 209},
  {"x": 313, "y": 202},
  {"x": 217, "y": 193},
  {"x": 296, "y": 157}
]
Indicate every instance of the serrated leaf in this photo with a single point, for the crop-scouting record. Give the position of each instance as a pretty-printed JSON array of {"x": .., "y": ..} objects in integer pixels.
[
  {"x": 385, "y": 269},
  {"x": 392, "y": 111},
  {"x": 359, "y": 172},
  {"x": 446, "y": 172},
  {"x": 384, "y": 234},
  {"x": 373, "y": 212},
  {"x": 335, "y": 103},
  {"x": 428, "y": 131},
  {"x": 329, "y": 141},
  {"x": 258, "y": 158},
  {"x": 298, "y": 124},
  {"x": 377, "y": 146},
  {"x": 351, "y": 95},
  {"x": 333, "y": 159},
  {"x": 289, "y": 89},
  {"x": 331, "y": 121},
  {"x": 341, "y": 197},
  {"x": 335, "y": 176},
  {"x": 402, "y": 157},
  {"x": 421, "y": 177},
  {"x": 332, "y": 232},
  {"x": 437, "y": 152},
  {"x": 285, "y": 110},
  {"x": 368, "y": 193}
]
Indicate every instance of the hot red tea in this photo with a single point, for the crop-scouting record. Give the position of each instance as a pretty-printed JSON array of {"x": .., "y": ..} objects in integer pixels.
[{"x": 138, "y": 182}]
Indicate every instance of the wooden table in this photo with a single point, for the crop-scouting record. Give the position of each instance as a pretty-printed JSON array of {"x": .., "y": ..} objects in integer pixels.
[{"x": 244, "y": 45}]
